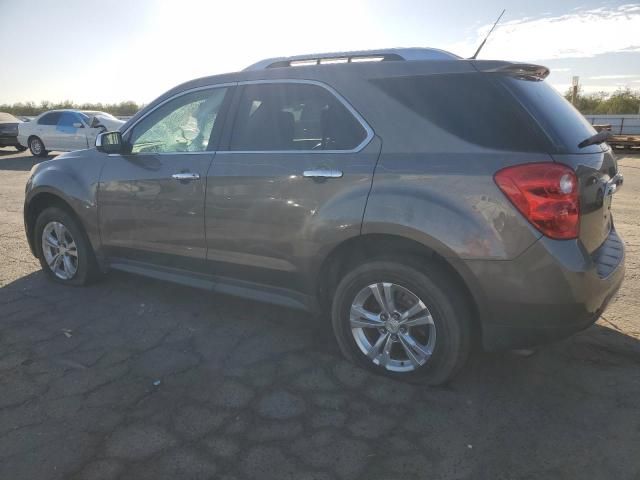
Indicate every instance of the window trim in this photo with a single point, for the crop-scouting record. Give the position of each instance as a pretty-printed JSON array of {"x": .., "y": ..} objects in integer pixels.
[
  {"x": 363, "y": 123},
  {"x": 228, "y": 85},
  {"x": 331, "y": 90}
]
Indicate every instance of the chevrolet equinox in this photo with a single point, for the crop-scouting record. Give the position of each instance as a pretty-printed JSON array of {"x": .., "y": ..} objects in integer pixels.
[{"x": 424, "y": 201}]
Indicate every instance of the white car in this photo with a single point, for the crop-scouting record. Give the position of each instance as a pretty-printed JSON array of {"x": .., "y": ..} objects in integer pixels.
[{"x": 65, "y": 130}]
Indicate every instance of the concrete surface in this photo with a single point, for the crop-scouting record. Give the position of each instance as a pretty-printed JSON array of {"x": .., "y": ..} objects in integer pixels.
[{"x": 136, "y": 379}]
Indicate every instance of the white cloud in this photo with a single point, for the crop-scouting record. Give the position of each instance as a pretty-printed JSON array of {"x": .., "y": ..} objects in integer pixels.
[{"x": 580, "y": 34}]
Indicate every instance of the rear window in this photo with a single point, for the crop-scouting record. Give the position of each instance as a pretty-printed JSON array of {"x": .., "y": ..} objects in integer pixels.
[
  {"x": 473, "y": 107},
  {"x": 563, "y": 124}
]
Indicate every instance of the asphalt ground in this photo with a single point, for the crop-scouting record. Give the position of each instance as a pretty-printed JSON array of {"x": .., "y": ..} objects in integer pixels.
[{"x": 132, "y": 378}]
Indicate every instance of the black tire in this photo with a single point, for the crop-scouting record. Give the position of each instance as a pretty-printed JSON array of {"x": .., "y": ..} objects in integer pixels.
[
  {"x": 20, "y": 148},
  {"x": 37, "y": 147},
  {"x": 87, "y": 267},
  {"x": 444, "y": 300}
]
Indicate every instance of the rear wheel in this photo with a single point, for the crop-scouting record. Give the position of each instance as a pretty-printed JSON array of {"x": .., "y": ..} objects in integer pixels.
[
  {"x": 37, "y": 147},
  {"x": 401, "y": 322},
  {"x": 63, "y": 248}
]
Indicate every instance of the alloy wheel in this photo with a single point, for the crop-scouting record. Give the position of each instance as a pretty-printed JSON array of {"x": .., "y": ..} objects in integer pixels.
[
  {"x": 60, "y": 251},
  {"x": 393, "y": 327},
  {"x": 36, "y": 146}
]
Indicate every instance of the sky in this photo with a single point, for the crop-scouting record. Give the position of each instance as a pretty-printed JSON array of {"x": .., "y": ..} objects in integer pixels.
[{"x": 137, "y": 49}]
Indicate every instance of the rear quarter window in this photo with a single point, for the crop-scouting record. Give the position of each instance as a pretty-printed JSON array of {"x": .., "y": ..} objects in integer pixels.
[
  {"x": 563, "y": 124},
  {"x": 471, "y": 106}
]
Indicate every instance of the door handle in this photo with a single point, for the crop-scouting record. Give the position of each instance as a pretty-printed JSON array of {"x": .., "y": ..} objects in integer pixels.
[
  {"x": 185, "y": 176},
  {"x": 322, "y": 173}
]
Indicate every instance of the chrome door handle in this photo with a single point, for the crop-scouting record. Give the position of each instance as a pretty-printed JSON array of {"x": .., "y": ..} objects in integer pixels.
[
  {"x": 322, "y": 173},
  {"x": 185, "y": 176}
]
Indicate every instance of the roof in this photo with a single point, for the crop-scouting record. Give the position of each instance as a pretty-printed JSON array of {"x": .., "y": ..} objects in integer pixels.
[{"x": 407, "y": 54}]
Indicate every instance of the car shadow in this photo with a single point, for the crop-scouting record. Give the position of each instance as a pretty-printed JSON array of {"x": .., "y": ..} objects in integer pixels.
[
  {"x": 18, "y": 161},
  {"x": 4, "y": 151},
  {"x": 597, "y": 346}
]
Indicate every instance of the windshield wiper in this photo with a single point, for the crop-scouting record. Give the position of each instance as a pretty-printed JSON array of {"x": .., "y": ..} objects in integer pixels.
[{"x": 596, "y": 139}]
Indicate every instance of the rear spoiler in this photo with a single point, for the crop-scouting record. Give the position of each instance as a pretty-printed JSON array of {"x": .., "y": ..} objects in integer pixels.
[{"x": 525, "y": 71}]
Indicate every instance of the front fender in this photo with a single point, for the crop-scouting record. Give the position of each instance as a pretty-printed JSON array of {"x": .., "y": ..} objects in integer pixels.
[{"x": 73, "y": 179}]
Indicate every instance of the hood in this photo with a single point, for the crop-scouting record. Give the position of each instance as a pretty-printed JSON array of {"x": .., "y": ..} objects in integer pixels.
[{"x": 109, "y": 123}]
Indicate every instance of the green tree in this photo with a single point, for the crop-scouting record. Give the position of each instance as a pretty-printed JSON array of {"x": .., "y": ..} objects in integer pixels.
[
  {"x": 29, "y": 109},
  {"x": 621, "y": 102}
]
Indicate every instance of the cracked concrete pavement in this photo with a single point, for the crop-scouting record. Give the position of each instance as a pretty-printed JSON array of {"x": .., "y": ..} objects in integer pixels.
[{"x": 133, "y": 378}]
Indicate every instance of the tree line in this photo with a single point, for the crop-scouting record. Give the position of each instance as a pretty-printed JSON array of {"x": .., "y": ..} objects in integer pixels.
[
  {"x": 31, "y": 109},
  {"x": 621, "y": 102}
]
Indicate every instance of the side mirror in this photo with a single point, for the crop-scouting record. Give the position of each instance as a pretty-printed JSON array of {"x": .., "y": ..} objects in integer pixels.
[
  {"x": 77, "y": 125},
  {"x": 109, "y": 142},
  {"x": 95, "y": 122}
]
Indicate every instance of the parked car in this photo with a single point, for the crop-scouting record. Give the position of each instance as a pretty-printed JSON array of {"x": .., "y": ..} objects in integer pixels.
[
  {"x": 65, "y": 130},
  {"x": 9, "y": 131},
  {"x": 424, "y": 201}
]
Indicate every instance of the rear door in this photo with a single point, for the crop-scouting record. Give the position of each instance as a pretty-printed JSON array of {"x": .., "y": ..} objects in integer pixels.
[
  {"x": 70, "y": 132},
  {"x": 151, "y": 200},
  {"x": 293, "y": 178},
  {"x": 595, "y": 165},
  {"x": 45, "y": 129}
]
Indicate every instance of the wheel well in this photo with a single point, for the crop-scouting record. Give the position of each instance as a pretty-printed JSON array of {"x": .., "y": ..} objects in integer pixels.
[
  {"x": 357, "y": 250},
  {"x": 37, "y": 205}
]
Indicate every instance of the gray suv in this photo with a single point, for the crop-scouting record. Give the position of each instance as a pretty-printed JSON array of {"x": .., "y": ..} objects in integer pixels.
[{"x": 424, "y": 201}]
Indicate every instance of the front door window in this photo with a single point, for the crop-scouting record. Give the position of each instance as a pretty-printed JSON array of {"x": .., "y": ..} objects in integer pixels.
[{"x": 184, "y": 124}]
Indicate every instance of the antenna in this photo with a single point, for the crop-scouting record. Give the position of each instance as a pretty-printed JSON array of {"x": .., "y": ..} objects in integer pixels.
[{"x": 485, "y": 38}]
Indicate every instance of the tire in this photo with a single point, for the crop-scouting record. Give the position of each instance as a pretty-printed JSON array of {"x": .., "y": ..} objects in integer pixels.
[
  {"x": 20, "y": 148},
  {"x": 86, "y": 268},
  {"x": 447, "y": 335},
  {"x": 37, "y": 147}
]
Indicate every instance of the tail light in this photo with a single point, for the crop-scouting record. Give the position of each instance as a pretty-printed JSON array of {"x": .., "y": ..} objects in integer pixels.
[{"x": 546, "y": 194}]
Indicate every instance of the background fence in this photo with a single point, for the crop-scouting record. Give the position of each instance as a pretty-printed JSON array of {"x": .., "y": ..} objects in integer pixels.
[{"x": 620, "y": 124}]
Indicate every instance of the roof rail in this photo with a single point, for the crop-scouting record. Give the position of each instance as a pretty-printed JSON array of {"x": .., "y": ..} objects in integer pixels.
[{"x": 407, "y": 54}]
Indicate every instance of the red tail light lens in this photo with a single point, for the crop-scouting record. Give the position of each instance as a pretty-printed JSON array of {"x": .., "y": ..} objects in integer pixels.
[{"x": 546, "y": 194}]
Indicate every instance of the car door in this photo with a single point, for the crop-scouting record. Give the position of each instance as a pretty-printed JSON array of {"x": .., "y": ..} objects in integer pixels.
[
  {"x": 70, "y": 132},
  {"x": 292, "y": 181},
  {"x": 45, "y": 129},
  {"x": 151, "y": 199}
]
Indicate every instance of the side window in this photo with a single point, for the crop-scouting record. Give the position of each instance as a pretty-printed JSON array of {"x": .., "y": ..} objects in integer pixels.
[
  {"x": 183, "y": 124},
  {"x": 49, "y": 119},
  {"x": 293, "y": 116},
  {"x": 470, "y": 106},
  {"x": 67, "y": 119}
]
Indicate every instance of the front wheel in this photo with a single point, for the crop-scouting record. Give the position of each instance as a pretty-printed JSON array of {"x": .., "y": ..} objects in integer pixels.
[
  {"x": 63, "y": 248},
  {"x": 401, "y": 322},
  {"x": 37, "y": 147},
  {"x": 20, "y": 148}
]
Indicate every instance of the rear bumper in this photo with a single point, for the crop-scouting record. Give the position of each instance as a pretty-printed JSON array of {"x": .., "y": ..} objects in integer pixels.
[
  {"x": 551, "y": 291},
  {"x": 9, "y": 141}
]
